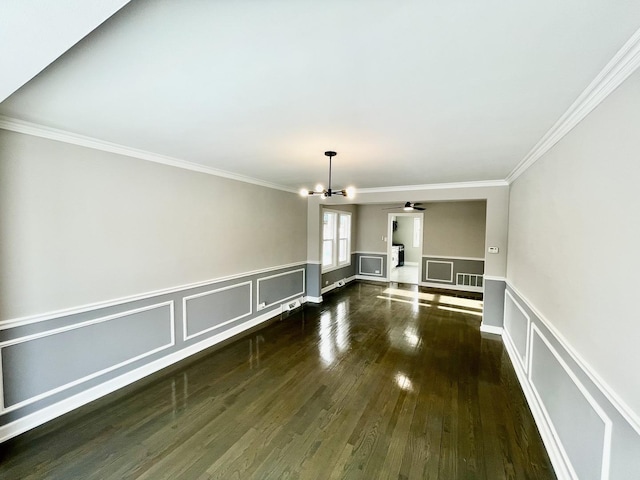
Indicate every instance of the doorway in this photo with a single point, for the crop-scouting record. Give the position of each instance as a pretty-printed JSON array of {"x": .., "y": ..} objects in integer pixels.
[{"x": 405, "y": 247}]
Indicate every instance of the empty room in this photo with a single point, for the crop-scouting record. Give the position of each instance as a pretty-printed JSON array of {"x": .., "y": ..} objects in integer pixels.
[{"x": 319, "y": 240}]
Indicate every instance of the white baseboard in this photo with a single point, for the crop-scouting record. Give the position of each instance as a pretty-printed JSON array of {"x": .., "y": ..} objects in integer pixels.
[
  {"x": 448, "y": 286},
  {"x": 313, "y": 299},
  {"x": 629, "y": 415},
  {"x": 491, "y": 329},
  {"x": 334, "y": 285},
  {"x": 328, "y": 288},
  {"x": 374, "y": 279},
  {"x": 553, "y": 450},
  {"x": 46, "y": 414}
]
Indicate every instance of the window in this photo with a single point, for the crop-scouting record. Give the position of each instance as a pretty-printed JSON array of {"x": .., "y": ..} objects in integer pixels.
[
  {"x": 336, "y": 240},
  {"x": 417, "y": 231}
]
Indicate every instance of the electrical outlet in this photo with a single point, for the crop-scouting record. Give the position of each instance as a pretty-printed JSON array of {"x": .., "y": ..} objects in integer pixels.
[
  {"x": 262, "y": 305},
  {"x": 327, "y": 282},
  {"x": 377, "y": 271}
]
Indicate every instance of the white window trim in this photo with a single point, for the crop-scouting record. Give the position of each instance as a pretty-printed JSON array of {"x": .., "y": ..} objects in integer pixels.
[
  {"x": 417, "y": 232},
  {"x": 336, "y": 241}
]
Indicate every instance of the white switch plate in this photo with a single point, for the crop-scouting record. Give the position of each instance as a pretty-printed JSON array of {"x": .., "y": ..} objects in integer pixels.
[{"x": 494, "y": 249}]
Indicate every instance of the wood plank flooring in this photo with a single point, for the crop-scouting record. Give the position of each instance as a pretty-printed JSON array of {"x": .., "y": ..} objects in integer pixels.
[{"x": 370, "y": 384}]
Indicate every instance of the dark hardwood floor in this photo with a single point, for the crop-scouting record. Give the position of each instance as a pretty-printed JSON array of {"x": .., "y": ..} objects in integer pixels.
[{"x": 370, "y": 384}]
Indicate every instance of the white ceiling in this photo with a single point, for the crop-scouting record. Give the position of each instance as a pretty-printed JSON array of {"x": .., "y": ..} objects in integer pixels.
[
  {"x": 33, "y": 33},
  {"x": 407, "y": 92}
]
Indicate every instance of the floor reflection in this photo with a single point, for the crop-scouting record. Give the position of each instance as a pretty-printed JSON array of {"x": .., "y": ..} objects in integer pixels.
[
  {"x": 370, "y": 378},
  {"x": 326, "y": 340},
  {"x": 334, "y": 332},
  {"x": 439, "y": 300},
  {"x": 254, "y": 351},
  {"x": 403, "y": 382},
  {"x": 411, "y": 337}
]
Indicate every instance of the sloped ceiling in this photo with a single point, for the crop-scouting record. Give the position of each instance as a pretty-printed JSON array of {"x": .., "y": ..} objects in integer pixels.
[{"x": 409, "y": 92}]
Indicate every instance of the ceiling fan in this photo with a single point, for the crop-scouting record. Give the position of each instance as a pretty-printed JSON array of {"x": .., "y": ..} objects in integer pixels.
[{"x": 409, "y": 207}]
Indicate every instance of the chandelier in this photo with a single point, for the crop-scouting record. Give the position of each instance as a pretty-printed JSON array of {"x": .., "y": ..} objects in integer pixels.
[{"x": 348, "y": 192}]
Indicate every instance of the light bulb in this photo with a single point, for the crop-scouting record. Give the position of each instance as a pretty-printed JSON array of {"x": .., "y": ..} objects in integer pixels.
[
  {"x": 351, "y": 192},
  {"x": 304, "y": 192},
  {"x": 319, "y": 188}
]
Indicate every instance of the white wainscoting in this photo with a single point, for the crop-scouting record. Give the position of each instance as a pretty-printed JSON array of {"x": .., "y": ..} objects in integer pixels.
[
  {"x": 185, "y": 309},
  {"x": 575, "y": 427},
  {"x": 50, "y": 412},
  {"x": 450, "y": 279},
  {"x": 88, "y": 323},
  {"x": 177, "y": 349},
  {"x": 380, "y": 259},
  {"x": 280, "y": 300},
  {"x": 517, "y": 327},
  {"x": 572, "y": 437},
  {"x": 41, "y": 317}
]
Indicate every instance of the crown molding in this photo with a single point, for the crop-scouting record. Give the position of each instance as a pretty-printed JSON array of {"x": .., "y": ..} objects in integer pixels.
[
  {"x": 621, "y": 66},
  {"x": 29, "y": 128},
  {"x": 435, "y": 186}
]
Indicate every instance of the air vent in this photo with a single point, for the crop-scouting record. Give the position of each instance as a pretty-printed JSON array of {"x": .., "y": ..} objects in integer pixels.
[
  {"x": 292, "y": 305},
  {"x": 469, "y": 279}
]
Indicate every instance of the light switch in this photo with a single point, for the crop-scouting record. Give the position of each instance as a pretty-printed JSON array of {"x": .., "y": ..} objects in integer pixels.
[{"x": 494, "y": 249}]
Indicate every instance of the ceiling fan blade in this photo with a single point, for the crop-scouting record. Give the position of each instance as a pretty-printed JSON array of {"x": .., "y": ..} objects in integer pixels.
[{"x": 407, "y": 206}]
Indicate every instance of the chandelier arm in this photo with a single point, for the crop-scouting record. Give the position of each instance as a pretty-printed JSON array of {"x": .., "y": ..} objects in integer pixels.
[{"x": 328, "y": 192}]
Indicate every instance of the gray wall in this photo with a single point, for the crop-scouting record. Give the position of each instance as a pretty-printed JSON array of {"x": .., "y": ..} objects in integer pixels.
[
  {"x": 372, "y": 265},
  {"x": 445, "y": 270},
  {"x": 344, "y": 273},
  {"x": 372, "y": 220},
  {"x": 574, "y": 256},
  {"x": 157, "y": 261},
  {"x": 49, "y": 361},
  {"x": 451, "y": 228},
  {"x": 81, "y": 226},
  {"x": 372, "y": 226},
  {"x": 565, "y": 400},
  {"x": 493, "y": 302},
  {"x": 455, "y": 229}
]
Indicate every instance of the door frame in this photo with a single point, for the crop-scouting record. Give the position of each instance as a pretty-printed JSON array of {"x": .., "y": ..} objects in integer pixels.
[{"x": 390, "y": 216}]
